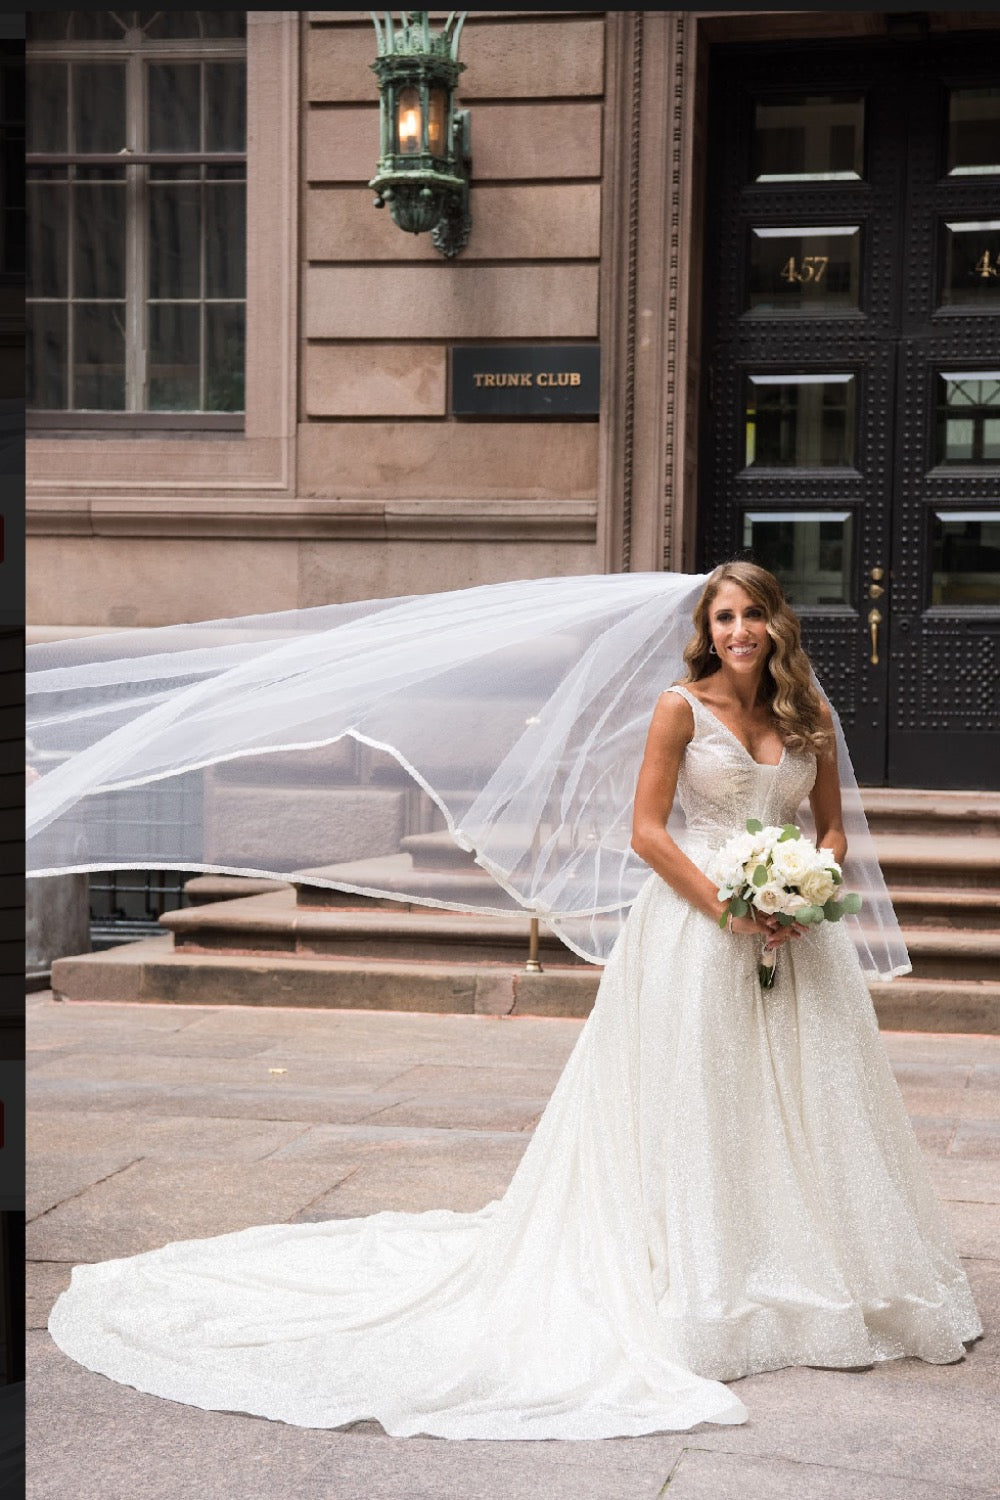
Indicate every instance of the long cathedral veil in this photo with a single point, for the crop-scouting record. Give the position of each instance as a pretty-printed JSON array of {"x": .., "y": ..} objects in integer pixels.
[{"x": 475, "y": 750}]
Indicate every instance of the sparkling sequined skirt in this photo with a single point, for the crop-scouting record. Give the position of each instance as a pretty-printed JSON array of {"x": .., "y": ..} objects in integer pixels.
[{"x": 724, "y": 1182}]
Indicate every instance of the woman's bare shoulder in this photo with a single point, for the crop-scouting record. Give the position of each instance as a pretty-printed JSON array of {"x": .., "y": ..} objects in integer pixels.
[{"x": 673, "y": 717}]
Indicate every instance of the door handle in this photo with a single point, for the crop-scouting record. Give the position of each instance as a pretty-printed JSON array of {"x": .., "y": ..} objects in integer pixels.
[{"x": 874, "y": 621}]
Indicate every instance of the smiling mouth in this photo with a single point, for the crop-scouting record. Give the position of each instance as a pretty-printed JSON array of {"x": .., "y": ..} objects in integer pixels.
[{"x": 741, "y": 650}]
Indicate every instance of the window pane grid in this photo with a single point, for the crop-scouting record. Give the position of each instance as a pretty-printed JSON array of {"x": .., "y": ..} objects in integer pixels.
[{"x": 138, "y": 352}]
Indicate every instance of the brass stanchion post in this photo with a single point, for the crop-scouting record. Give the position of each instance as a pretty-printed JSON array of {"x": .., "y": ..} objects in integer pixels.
[{"x": 533, "y": 966}]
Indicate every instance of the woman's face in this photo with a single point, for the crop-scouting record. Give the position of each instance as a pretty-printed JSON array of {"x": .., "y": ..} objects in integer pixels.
[{"x": 738, "y": 628}]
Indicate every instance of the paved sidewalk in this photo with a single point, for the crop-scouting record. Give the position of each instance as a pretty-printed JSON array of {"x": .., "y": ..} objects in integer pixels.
[{"x": 154, "y": 1123}]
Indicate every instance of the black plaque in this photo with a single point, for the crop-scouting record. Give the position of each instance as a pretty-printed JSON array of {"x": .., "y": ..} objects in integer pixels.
[{"x": 525, "y": 380}]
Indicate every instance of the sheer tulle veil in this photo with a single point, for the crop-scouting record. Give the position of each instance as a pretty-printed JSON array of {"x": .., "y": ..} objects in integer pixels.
[{"x": 322, "y": 745}]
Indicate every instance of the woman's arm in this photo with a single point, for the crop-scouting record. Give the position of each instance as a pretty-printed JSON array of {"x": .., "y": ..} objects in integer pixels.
[
  {"x": 824, "y": 799},
  {"x": 669, "y": 733}
]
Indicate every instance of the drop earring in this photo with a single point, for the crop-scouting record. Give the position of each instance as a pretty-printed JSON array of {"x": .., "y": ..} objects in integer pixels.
[{"x": 712, "y": 651}]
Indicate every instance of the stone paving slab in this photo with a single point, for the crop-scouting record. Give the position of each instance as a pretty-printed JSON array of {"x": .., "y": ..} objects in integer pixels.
[
  {"x": 147, "y": 1124},
  {"x": 724, "y": 1476}
]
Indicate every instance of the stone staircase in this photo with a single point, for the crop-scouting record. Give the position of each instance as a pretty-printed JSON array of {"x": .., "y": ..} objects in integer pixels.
[{"x": 263, "y": 942}]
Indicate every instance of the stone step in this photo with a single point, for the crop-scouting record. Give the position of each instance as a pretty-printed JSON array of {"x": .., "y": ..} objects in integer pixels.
[
  {"x": 459, "y": 880},
  {"x": 274, "y": 923},
  {"x": 937, "y": 813},
  {"x": 915, "y": 860},
  {"x": 948, "y": 953},
  {"x": 153, "y": 971},
  {"x": 972, "y": 909},
  {"x": 202, "y": 890}
]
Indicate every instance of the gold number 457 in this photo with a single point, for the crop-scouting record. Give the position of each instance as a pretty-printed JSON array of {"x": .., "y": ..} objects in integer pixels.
[{"x": 812, "y": 269}]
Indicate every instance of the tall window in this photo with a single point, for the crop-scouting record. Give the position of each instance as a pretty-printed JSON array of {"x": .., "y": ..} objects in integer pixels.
[{"x": 136, "y": 137}]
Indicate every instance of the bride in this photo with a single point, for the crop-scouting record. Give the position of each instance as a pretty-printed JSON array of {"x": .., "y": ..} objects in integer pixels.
[{"x": 724, "y": 1181}]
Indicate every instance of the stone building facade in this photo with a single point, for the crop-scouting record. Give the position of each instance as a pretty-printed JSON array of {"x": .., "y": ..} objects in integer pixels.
[{"x": 606, "y": 161}]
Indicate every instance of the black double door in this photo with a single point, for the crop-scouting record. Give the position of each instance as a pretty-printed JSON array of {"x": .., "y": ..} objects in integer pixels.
[{"x": 851, "y": 416}]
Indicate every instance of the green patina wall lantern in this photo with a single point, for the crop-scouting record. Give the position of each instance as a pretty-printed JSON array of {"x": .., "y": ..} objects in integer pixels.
[{"x": 423, "y": 166}]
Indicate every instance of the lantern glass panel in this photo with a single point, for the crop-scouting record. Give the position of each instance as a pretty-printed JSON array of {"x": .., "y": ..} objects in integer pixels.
[
  {"x": 408, "y": 121},
  {"x": 437, "y": 123}
]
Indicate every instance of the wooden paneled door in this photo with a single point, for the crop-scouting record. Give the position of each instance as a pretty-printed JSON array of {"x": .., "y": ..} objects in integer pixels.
[{"x": 851, "y": 411}]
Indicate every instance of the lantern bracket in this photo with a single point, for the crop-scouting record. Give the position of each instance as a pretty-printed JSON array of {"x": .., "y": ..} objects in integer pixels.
[{"x": 424, "y": 162}]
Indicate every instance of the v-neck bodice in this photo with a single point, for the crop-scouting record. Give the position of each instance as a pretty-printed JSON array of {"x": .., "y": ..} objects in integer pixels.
[{"x": 720, "y": 784}]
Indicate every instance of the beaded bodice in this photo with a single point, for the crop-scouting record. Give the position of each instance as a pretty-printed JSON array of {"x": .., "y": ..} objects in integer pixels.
[{"x": 720, "y": 784}]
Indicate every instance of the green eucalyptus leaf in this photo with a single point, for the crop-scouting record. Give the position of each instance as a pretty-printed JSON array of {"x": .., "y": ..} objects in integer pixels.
[
  {"x": 738, "y": 907},
  {"x": 852, "y": 903},
  {"x": 833, "y": 910},
  {"x": 789, "y": 832},
  {"x": 760, "y": 875},
  {"x": 724, "y": 918},
  {"x": 754, "y": 825},
  {"x": 785, "y": 919},
  {"x": 836, "y": 877}
]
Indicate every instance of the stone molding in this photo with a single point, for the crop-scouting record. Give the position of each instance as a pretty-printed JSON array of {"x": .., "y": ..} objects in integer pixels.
[
  {"x": 645, "y": 321},
  {"x": 304, "y": 519}
]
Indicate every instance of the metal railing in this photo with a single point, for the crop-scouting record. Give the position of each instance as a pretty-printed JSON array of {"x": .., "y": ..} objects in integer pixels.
[{"x": 126, "y": 905}]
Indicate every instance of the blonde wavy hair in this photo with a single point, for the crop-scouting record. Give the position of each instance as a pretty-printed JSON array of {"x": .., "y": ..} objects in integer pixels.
[{"x": 787, "y": 684}]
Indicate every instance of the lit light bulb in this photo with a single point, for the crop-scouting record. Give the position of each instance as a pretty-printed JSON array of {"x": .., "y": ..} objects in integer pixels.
[{"x": 409, "y": 129}]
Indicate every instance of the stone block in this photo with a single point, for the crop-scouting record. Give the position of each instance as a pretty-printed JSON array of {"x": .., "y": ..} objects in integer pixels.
[
  {"x": 56, "y": 920},
  {"x": 375, "y": 380},
  {"x": 521, "y": 59},
  {"x": 474, "y": 460},
  {"x": 314, "y": 827},
  {"x": 458, "y": 301},
  {"x": 551, "y": 221},
  {"x": 119, "y": 978},
  {"x": 76, "y": 580},
  {"x": 371, "y": 570},
  {"x": 513, "y": 141},
  {"x": 556, "y": 992}
]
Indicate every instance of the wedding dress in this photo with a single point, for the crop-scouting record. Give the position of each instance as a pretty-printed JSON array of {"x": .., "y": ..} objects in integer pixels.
[{"x": 724, "y": 1181}]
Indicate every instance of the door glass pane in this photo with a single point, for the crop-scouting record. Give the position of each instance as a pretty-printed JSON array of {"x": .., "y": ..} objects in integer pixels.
[
  {"x": 965, "y": 548},
  {"x": 968, "y": 417},
  {"x": 97, "y": 109},
  {"x": 808, "y": 551},
  {"x": 811, "y": 137},
  {"x": 973, "y": 132},
  {"x": 972, "y": 264},
  {"x": 800, "y": 421},
  {"x": 804, "y": 270},
  {"x": 99, "y": 356}
]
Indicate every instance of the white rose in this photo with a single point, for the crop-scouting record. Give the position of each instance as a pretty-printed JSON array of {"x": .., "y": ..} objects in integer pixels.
[
  {"x": 792, "y": 860},
  {"x": 769, "y": 897},
  {"x": 793, "y": 903},
  {"x": 817, "y": 886}
]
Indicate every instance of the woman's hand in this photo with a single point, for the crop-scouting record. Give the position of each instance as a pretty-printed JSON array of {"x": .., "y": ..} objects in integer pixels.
[{"x": 767, "y": 927}]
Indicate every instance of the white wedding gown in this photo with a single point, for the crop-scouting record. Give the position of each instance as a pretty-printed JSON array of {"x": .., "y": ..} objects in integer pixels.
[{"x": 724, "y": 1181}]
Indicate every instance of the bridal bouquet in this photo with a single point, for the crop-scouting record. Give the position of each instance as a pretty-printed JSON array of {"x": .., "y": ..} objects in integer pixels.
[{"x": 782, "y": 873}]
